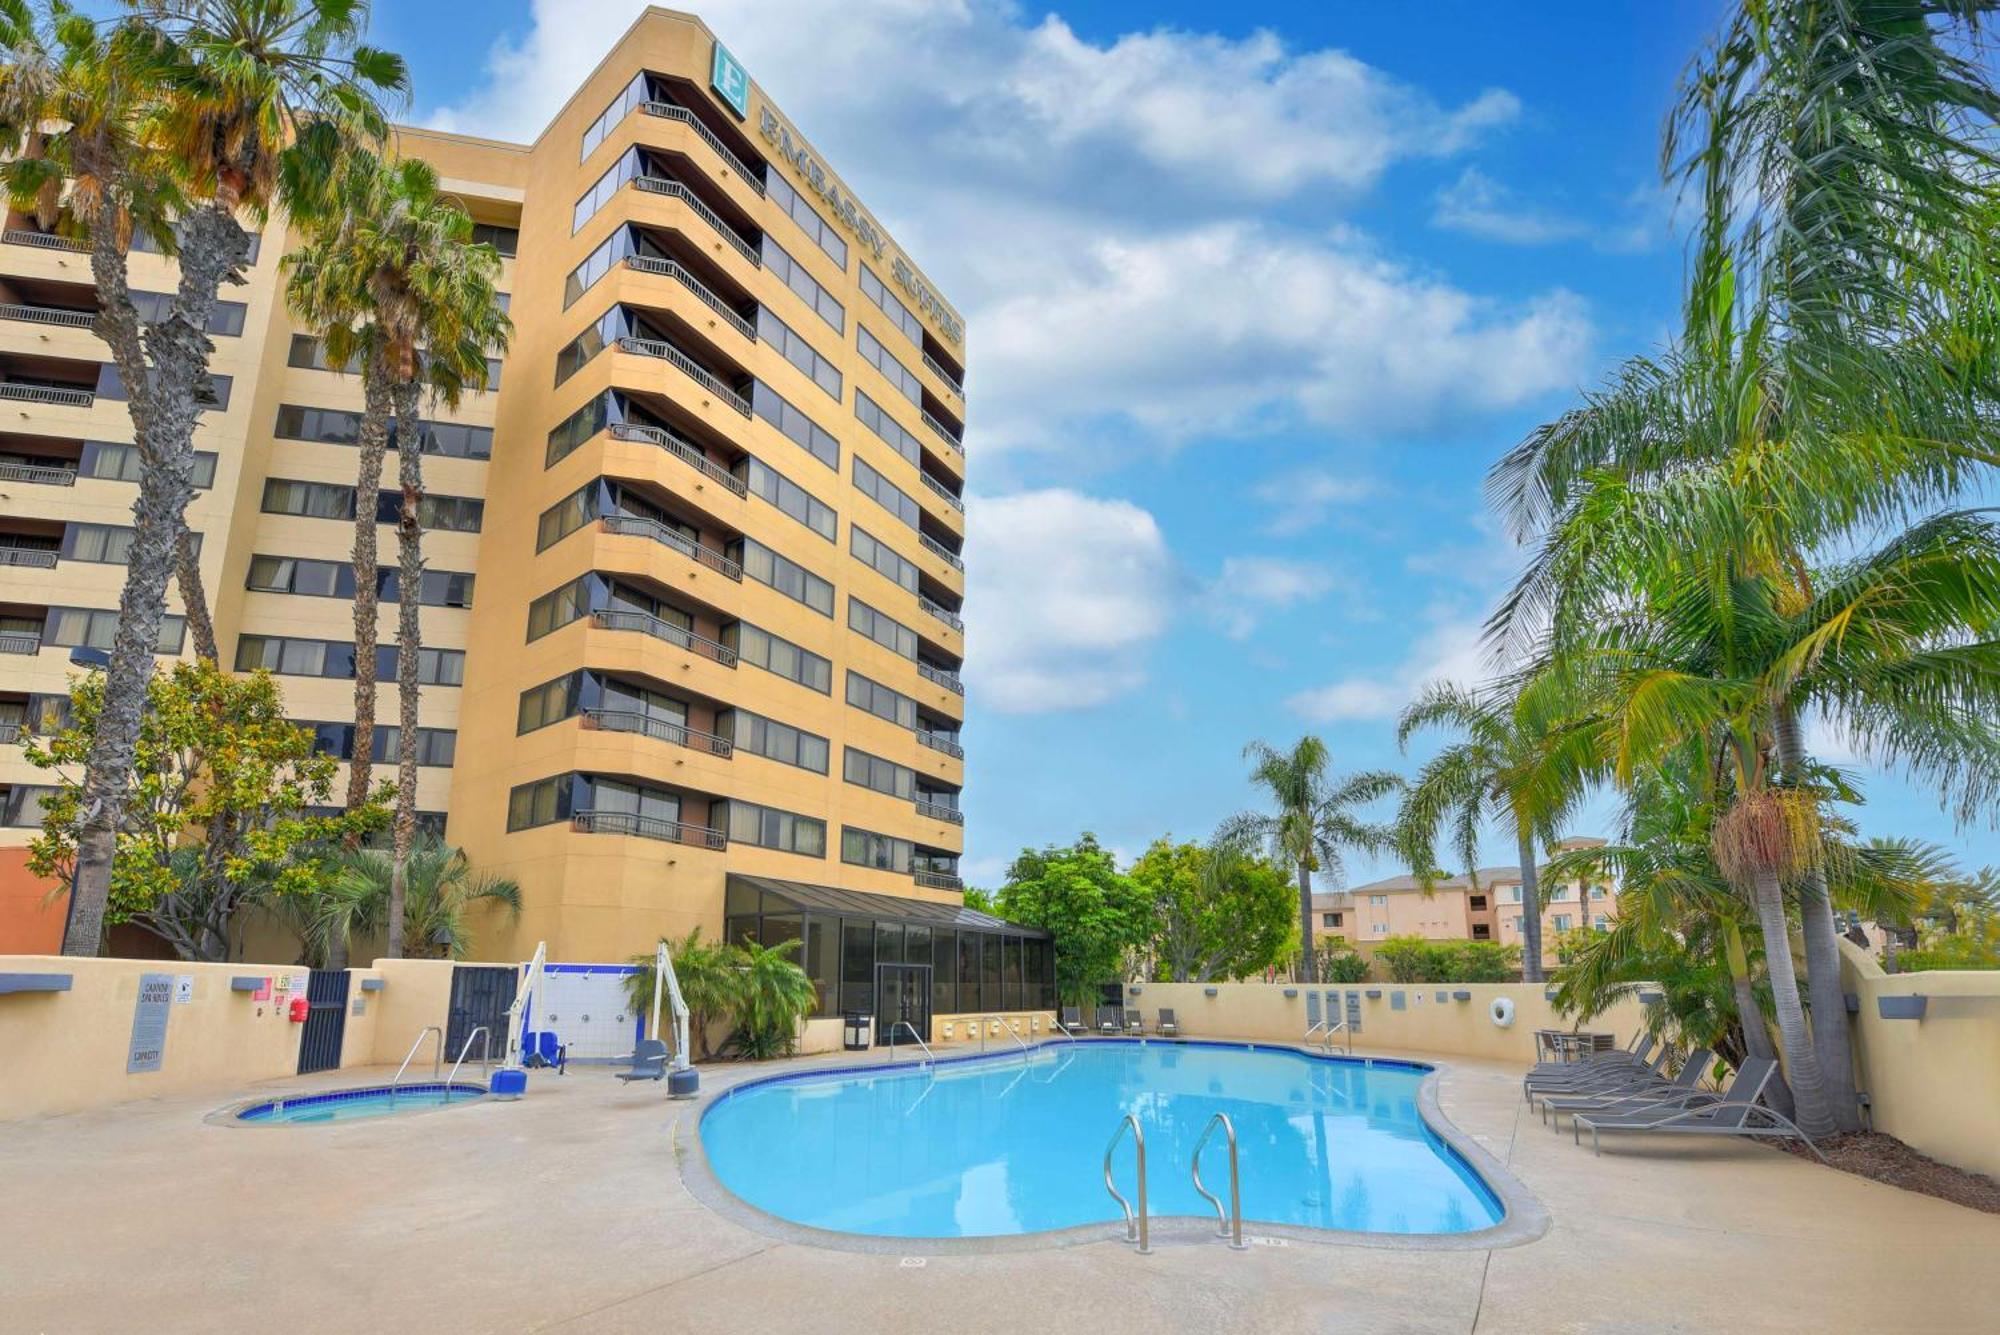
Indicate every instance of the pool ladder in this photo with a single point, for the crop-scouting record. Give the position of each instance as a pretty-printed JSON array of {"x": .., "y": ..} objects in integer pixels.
[
  {"x": 437, "y": 1062},
  {"x": 905, "y": 1024},
  {"x": 1229, "y": 1223},
  {"x": 484, "y": 1036},
  {"x": 1326, "y": 1029}
]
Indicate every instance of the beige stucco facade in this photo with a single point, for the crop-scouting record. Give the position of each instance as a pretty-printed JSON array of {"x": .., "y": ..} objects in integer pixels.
[{"x": 778, "y": 387}]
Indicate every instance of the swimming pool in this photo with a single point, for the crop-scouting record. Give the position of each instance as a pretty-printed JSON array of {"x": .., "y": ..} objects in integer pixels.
[
  {"x": 1013, "y": 1145},
  {"x": 351, "y": 1104}
]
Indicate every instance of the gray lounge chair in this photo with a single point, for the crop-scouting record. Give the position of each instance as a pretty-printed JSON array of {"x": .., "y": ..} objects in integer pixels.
[
  {"x": 1168, "y": 1026},
  {"x": 1583, "y": 1078},
  {"x": 1108, "y": 1020},
  {"x": 1635, "y": 1055},
  {"x": 1134, "y": 1025},
  {"x": 1071, "y": 1022},
  {"x": 649, "y": 1062},
  {"x": 1737, "y": 1114},
  {"x": 1636, "y": 1096}
]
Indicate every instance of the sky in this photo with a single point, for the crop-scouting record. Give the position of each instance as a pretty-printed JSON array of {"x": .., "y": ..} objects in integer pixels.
[{"x": 1254, "y": 294}]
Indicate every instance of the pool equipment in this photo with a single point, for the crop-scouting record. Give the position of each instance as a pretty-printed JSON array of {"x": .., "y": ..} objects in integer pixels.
[
  {"x": 1502, "y": 1011},
  {"x": 683, "y": 1081}
]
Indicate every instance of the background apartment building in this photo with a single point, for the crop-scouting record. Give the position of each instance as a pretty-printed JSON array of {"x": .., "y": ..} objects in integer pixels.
[
  {"x": 692, "y": 614},
  {"x": 1488, "y": 906}
]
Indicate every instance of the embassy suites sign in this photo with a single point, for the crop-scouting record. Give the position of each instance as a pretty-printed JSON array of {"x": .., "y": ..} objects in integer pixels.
[{"x": 855, "y": 219}]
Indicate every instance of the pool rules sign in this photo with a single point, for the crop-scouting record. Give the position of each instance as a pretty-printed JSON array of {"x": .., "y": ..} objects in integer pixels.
[{"x": 149, "y": 1023}]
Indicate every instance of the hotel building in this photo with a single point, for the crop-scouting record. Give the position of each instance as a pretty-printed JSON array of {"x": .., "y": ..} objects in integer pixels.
[{"x": 693, "y": 604}]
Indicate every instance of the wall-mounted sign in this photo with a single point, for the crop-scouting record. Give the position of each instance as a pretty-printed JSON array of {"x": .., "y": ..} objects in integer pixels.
[
  {"x": 730, "y": 81},
  {"x": 149, "y": 1023},
  {"x": 183, "y": 989}
]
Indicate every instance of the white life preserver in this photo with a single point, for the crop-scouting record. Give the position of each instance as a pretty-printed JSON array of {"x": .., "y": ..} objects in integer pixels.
[{"x": 1502, "y": 1011}]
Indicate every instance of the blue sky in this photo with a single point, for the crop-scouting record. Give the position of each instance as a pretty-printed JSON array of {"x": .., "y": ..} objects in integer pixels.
[{"x": 1254, "y": 298}]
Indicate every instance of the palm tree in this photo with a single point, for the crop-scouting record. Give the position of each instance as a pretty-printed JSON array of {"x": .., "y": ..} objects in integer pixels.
[
  {"x": 442, "y": 892},
  {"x": 776, "y": 995},
  {"x": 1524, "y": 760},
  {"x": 710, "y": 974},
  {"x": 1314, "y": 821},
  {"x": 194, "y": 111}
]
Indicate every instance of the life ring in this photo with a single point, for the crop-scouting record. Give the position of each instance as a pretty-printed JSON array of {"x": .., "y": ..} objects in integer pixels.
[{"x": 1502, "y": 1011}]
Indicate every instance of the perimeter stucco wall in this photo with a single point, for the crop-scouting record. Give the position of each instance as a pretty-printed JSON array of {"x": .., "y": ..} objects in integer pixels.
[
  {"x": 1934, "y": 1083},
  {"x": 1449, "y": 1027}
]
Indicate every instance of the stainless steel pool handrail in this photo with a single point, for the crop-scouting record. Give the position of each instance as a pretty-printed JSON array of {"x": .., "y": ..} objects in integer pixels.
[
  {"x": 905, "y": 1024},
  {"x": 437, "y": 1063},
  {"x": 1135, "y": 1226},
  {"x": 1005, "y": 1028},
  {"x": 1230, "y": 1225},
  {"x": 485, "y": 1037}
]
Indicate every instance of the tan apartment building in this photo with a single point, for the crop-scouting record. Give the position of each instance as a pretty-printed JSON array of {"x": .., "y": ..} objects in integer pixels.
[
  {"x": 694, "y": 592},
  {"x": 1487, "y": 906}
]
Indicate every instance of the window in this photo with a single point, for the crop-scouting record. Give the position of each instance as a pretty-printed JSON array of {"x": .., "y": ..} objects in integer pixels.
[
  {"x": 1514, "y": 894},
  {"x": 308, "y": 500},
  {"x": 1476, "y": 902},
  {"x": 767, "y": 827},
  {"x": 880, "y": 701},
  {"x": 807, "y": 434},
  {"x": 111, "y": 385},
  {"x": 803, "y": 285},
  {"x": 630, "y": 164},
  {"x": 864, "y": 848},
  {"x": 1601, "y": 923},
  {"x": 122, "y": 463},
  {"x": 435, "y": 746},
  {"x": 543, "y": 802},
  {"x": 1564, "y": 922},
  {"x": 335, "y": 579},
  {"x": 506, "y": 240},
  {"x": 308, "y": 353},
  {"x": 1597, "y": 892},
  {"x": 885, "y": 493},
  {"x": 880, "y": 558},
  {"x": 566, "y": 516},
  {"x": 551, "y": 702},
  {"x": 1380, "y": 928},
  {"x": 225, "y": 320},
  {"x": 816, "y": 228},
  {"x": 630, "y": 96},
  {"x": 769, "y": 484},
  {"x": 1559, "y": 892},
  {"x": 783, "y": 574},
  {"x": 1329, "y": 919},
  {"x": 885, "y": 630},
  {"x": 888, "y": 428},
  {"x": 773, "y": 740},
  {"x": 21, "y": 804},
  {"x": 899, "y": 315},
  {"x": 441, "y": 514},
  {"x": 884, "y": 776},
  {"x": 895, "y": 372},
  {"x": 101, "y": 544},
  {"x": 578, "y": 427},
  {"x": 1518, "y": 920},
  {"x": 598, "y": 263},
  {"x": 762, "y": 649},
  {"x": 333, "y": 658},
  {"x": 1378, "y": 901},
  {"x": 333, "y": 426},
  {"x": 89, "y": 627},
  {"x": 798, "y": 352},
  {"x": 558, "y": 607}
]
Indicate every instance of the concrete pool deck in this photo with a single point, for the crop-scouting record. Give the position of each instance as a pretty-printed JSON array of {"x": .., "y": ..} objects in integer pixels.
[{"x": 567, "y": 1211}]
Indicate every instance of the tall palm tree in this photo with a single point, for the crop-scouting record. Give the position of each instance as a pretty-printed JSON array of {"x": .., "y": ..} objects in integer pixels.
[
  {"x": 442, "y": 891},
  {"x": 1313, "y": 823},
  {"x": 194, "y": 111},
  {"x": 1525, "y": 760}
]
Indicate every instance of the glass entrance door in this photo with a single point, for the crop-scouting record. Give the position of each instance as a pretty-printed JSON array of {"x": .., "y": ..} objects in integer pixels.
[{"x": 902, "y": 993}]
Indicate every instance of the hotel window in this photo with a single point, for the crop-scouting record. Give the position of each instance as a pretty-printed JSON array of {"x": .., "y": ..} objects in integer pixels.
[
  {"x": 885, "y": 630},
  {"x": 111, "y": 385},
  {"x": 884, "y": 776},
  {"x": 225, "y": 320},
  {"x": 435, "y": 746},
  {"x": 308, "y": 353},
  {"x": 767, "y": 827},
  {"x": 1380, "y": 928},
  {"x": 21, "y": 804},
  {"x": 807, "y": 434},
  {"x": 1514, "y": 895},
  {"x": 878, "y": 556},
  {"x": 333, "y": 426},
  {"x": 773, "y": 740},
  {"x": 798, "y": 352},
  {"x": 335, "y": 579},
  {"x": 885, "y": 493},
  {"x": 1329, "y": 920},
  {"x": 899, "y": 315},
  {"x": 505, "y": 240},
  {"x": 91, "y": 628},
  {"x": 816, "y": 228},
  {"x": 1597, "y": 892},
  {"x": 1559, "y": 892},
  {"x": 122, "y": 463},
  {"x": 887, "y": 428},
  {"x": 99, "y": 544},
  {"x": 541, "y": 803},
  {"x": 577, "y": 428},
  {"x": 762, "y": 649},
  {"x": 767, "y": 483},
  {"x": 895, "y": 372},
  {"x": 783, "y": 574},
  {"x": 864, "y": 848},
  {"x": 288, "y": 656},
  {"x": 793, "y": 275},
  {"x": 1378, "y": 901},
  {"x": 308, "y": 500},
  {"x": 630, "y": 164},
  {"x": 880, "y": 701},
  {"x": 1601, "y": 923},
  {"x": 1518, "y": 920},
  {"x": 560, "y": 606},
  {"x": 1564, "y": 922},
  {"x": 631, "y": 95}
]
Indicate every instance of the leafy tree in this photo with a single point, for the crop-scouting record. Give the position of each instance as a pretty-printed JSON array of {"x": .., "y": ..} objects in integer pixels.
[
  {"x": 1220, "y": 914},
  {"x": 707, "y": 972},
  {"x": 980, "y": 901},
  {"x": 1415, "y": 959},
  {"x": 1314, "y": 820},
  {"x": 216, "y": 761},
  {"x": 1096, "y": 914},
  {"x": 444, "y": 891},
  {"x": 1341, "y": 963}
]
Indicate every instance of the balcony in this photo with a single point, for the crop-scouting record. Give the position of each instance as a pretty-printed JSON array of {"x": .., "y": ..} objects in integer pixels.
[
  {"x": 939, "y": 550},
  {"x": 46, "y": 475},
  {"x": 619, "y": 619},
  {"x": 937, "y": 880},
  {"x": 940, "y": 677},
  {"x": 55, "y": 315},
  {"x": 682, "y": 450},
  {"x": 939, "y": 811},
  {"x": 666, "y": 185},
  {"x": 21, "y": 557},
  {"x": 648, "y": 827},
  {"x": 10, "y": 733},
  {"x": 651, "y": 264},
  {"x": 938, "y": 487},
  {"x": 22, "y": 236},
  {"x": 670, "y": 111},
  {"x": 628, "y": 720},
  {"x": 951, "y": 381},
  {"x": 635, "y": 526},
  {"x": 653, "y": 347},
  {"x": 20, "y": 641},
  {"x": 941, "y": 614},
  {"x": 29, "y": 392},
  {"x": 939, "y": 742},
  {"x": 945, "y": 433}
]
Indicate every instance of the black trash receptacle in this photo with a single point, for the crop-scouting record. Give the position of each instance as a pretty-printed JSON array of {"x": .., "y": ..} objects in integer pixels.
[{"x": 857, "y": 1031}]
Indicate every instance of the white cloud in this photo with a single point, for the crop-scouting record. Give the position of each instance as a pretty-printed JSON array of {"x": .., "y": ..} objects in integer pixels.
[
  {"x": 1068, "y": 593},
  {"x": 1449, "y": 650},
  {"x": 1477, "y": 204},
  {"x": 1250, "y": 585},
  {"x": 1302, "y": 499}
]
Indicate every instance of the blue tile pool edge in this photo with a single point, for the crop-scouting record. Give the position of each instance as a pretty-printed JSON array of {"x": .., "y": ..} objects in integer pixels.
[
  {"x": 257, "y": 1112},
  {"x": 1523, "y": 1217}
]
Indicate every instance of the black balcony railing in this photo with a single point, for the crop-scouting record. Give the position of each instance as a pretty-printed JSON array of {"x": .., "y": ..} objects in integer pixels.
[
  {"x": 942, "y": 614},
  {"x": 649, "y": 827},
  {"x": 612, "y": 618},
  {"x": 29, "y": 558},
  {"x": 682, "y": 450},
  {"x": 668, "y": 269},
  {"x": 636, "y": 526},
  {"x": 55, "y": 315},
  {"x": 948, "y": 680},
  {"x": 938, "y": 880},
  {"x": 20, "y": 641},
  {"x": 939, "y": 811},
  {"x": 945, "y": 433},
  {"x": 939, "y": 550},
  {"x": 18, "y": 236},
  {"x": 944, "y": 491},
  {"x": 939, "y": 742},
  {"x": 660, "y": 729},
  {"x": 688, "y": 366},
  {"x": 950, "y": 380},
  {"x": 661, "y": 185},
  {"x": 670, "y": 111},
  {"x": 47, "y": 475},
  {"x": 71, "y": 398}
]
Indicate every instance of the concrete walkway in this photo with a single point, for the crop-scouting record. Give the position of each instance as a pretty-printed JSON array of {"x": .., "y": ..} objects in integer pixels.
[{"x": 566, "y": 1212}]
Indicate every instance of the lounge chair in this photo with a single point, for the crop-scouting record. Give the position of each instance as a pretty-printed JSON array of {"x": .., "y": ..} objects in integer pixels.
[
  {"x": 1108, "y": 1020},
  {"x": 1072, "y": 1021},
  {"x": 1583, "y": 1080},
  {"x": 1635, "y": 1055},
  {"x": 1737, "y": 1114},
  {"x": 542, "y": 1051},
  {"x": 1168, "y": 1027},
  {"x": 1134, "y": 1025},
  {"x": 649, "y": 1062},
  {"x": 1635, "y": 1097}
]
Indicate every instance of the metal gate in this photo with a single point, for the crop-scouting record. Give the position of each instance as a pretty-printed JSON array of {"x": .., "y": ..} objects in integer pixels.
[
  {"x": 326, "y": 1020},
  {"x": 480, "y": 994}
]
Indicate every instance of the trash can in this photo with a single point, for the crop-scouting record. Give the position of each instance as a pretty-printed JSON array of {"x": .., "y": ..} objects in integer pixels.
[{"x": 857, "y": 1031}]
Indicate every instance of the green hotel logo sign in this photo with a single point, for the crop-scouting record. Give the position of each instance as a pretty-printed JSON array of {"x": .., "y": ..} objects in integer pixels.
[{"x": 730, "y": 81}]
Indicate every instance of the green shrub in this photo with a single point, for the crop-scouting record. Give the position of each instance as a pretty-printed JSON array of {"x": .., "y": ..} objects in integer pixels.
[
  {"x": 1342, "y": 966},
  {"x": 1412, "y": 959}
]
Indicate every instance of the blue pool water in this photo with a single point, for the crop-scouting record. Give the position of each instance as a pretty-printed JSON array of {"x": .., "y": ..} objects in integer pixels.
[
  {"x": 1016, "y": 1144},
  {"x": 349, "y": 1104}
]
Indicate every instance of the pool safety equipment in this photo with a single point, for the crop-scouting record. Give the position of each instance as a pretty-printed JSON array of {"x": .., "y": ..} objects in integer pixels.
[
  {"x": 1501, "y": 1012},
  {"x": 682, "y": 1080}
]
